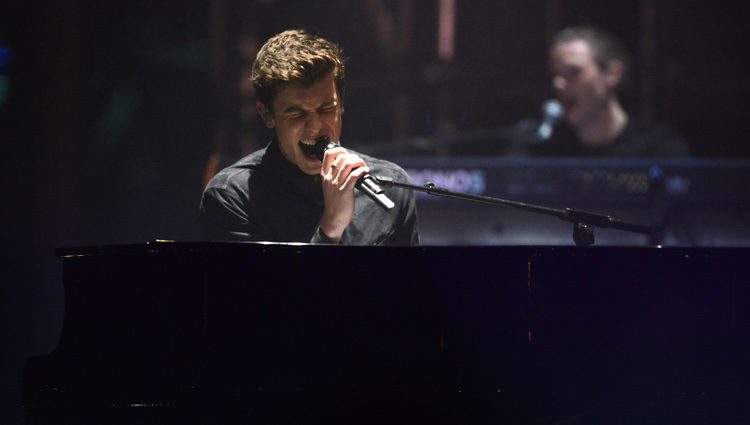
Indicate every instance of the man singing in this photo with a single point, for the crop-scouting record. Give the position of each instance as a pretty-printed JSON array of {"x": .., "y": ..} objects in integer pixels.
[
  {"x": 285, "y": 192},
  {"x": 587, "y": 68}
]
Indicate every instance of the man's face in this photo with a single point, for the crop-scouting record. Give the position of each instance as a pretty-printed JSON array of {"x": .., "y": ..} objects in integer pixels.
[
  {"x": 300, "y": 113},
  {"x": 579, "y": 84}
]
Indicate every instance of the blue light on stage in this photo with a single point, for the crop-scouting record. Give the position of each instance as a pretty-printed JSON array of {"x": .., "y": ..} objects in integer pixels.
[{"x": 5, "y": 57}]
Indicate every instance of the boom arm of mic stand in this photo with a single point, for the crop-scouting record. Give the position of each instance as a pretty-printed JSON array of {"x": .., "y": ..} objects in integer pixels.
[{"x": 583, "y": 221}]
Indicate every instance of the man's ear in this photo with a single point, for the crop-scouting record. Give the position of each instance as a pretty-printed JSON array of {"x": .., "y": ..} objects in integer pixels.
[
  {"x": 265, "y": 114},
  {"x": 614, "y": 73}
]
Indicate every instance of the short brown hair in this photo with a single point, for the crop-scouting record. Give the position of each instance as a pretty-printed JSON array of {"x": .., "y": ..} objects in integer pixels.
[
  {"x": 295, "y": 56},
  {"x": 604, "y": 47}
]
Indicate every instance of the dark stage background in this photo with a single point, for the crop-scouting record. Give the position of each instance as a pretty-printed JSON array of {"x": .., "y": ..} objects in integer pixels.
[{"x": 112, "y": 113}]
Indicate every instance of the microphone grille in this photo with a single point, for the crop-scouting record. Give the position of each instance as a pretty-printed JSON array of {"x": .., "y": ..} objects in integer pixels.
[{"x": 552, "y": 109}]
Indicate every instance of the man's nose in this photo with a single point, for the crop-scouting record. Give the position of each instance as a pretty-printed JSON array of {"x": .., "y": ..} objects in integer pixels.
[
  {"x": 313, "y": 123},
  {"x": 559, "y": 83}
]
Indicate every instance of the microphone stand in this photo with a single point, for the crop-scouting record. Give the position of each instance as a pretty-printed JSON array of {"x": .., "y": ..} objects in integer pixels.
[{"x": 583, "y": 221}]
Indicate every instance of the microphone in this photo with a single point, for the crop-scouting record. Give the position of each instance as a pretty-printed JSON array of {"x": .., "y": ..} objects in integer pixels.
[
  {"x": 552, "y": 111},
  {"x": 366, "y": 183}
]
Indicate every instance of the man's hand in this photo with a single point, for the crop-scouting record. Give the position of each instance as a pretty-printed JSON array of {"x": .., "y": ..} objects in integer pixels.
[{"x": 339, "y": 173}]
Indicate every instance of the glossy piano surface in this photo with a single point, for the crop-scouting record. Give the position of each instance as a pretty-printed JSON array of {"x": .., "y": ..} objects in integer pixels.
[{"x": 199, "y": 332}]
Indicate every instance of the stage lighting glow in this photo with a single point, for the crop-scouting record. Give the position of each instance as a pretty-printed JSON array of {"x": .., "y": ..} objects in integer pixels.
[{"x": 5, "y": 57}]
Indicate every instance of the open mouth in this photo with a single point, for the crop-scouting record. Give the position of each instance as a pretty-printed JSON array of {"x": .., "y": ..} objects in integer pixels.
[
  {"x": 308, "y": 147},
  {"x": 568, "y": 103},
  {"x": 315, "y": 148}
]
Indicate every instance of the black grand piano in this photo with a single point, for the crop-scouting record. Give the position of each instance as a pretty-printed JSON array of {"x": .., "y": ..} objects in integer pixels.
[{"x": 214, "y": 333}]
